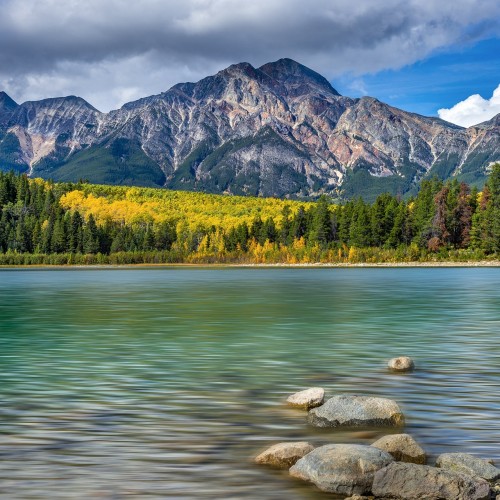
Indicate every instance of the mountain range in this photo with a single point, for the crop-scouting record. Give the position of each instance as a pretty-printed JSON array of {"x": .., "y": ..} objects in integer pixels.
[{"x": 278, "y": 130}]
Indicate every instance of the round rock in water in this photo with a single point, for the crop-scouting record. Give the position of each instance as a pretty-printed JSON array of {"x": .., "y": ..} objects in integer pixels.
[
  {"x": 357, "y": 411},
  {"x": 401, "y": 364},
  {"x": 310, "y": 398},
  {"x": 402, "y": 447},
  {"x": 468, "y": 464},
  {"x": 284, "y": 455},
  {"x": 344, "y": 469}
]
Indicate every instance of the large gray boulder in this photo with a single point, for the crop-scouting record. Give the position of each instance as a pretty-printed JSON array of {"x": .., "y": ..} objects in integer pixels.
[
  {"x": 284, "y": 455},
  {"x": 468, "y": 464},
  {"x": 411, "y": 482},
  {"x": 357, "y": 411},
  {"x": 310, "y": 398},
  {"x": 402, "y": 447},
  {"x": 344, "y": 469}
]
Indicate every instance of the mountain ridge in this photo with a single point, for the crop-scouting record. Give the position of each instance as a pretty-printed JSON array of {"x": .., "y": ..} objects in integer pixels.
[{"x": 277, "y": 130}]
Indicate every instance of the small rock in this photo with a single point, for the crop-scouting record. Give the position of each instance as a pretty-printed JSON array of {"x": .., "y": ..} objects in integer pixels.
[
  {"x": 310, "y": 398},
  {"x": 359, "y": 497},
  {"x": 401, "y": 364},
  {"x": 284, "y": 455},
  {"x": 469, "y": 465},
  {"x": 402, "y": 447},
  {"x": 411, "y": 481},
  {"x": 357, "y": 411},
  {"x": 345, "y": 469}
]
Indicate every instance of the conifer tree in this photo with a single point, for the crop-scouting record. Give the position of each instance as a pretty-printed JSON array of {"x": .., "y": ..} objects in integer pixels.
[{"x": 90, "y": 236}]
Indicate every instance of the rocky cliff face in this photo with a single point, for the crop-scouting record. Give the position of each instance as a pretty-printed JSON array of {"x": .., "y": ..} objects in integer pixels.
[{"x": 277, "y": 130}]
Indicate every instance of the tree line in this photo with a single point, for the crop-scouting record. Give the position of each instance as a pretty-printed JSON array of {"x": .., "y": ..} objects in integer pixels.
[{"x": 65, "y": 223}]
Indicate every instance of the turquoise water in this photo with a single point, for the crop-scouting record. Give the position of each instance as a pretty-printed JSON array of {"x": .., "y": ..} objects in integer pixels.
[{"x": 164, "y": 383}]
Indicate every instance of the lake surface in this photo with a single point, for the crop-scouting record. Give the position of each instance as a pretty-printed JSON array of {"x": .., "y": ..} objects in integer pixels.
[{"x": 164, "y": 383}]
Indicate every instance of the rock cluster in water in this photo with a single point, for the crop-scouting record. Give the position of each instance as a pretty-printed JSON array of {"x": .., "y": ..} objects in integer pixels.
[{"x": 393, "y": 467}]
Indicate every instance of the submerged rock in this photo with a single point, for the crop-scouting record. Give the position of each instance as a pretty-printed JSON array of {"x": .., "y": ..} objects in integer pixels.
[
  {"x": 284, "y": 455},
  {"x": 342, "y": 468},
  {"x": 411, "y": 481},
  {"x": 310, "y": 398},
  {"x": 468, "y": 464},
  {"x": 401, "y": 364},
  {"x": 357, "y": 411},
  {"x": 402, "y": 447}
]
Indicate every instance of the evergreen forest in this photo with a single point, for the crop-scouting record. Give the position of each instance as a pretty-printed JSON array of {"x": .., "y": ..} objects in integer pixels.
[{"x": 42, "y": 222}]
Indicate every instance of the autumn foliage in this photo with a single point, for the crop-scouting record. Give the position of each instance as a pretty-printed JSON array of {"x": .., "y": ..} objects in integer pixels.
[{"x": 44, "y": 222}]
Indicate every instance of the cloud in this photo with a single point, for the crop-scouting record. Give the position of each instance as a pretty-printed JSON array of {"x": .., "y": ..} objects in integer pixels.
[
  {"x": 114, "y": 50},
  {"x": 473, "y": 110}
]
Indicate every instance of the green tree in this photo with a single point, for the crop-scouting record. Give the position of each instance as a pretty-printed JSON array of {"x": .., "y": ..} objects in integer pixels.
[
  {"x": 486, "y": 221},
  {"x": 321, "y": 230},
  {"x": 75, "y": 237},
  {"x": 90, "y": 236},
  {"x": 360, "y": 228}
]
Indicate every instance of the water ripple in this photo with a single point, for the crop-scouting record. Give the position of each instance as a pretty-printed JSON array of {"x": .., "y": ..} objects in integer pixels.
[{"x": 165, "y": 382}]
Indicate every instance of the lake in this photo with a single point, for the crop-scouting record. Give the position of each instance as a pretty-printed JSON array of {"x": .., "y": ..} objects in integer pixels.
[{"x": 165, "y": 382}]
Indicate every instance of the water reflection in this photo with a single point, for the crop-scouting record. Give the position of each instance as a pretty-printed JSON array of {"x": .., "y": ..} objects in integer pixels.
[{"x": 163, "y": 382}]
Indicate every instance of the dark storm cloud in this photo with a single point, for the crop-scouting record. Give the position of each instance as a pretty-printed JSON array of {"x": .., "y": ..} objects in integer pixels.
[{"x": 114, "y": 50}]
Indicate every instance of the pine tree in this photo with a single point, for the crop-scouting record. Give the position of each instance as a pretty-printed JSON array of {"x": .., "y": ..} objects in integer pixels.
[
  {"x": 423, "y": 211},
  {"x": 90, "y": 236},
  {"x": 75, "y": 236},
  {"x": 486, "y": 221},
  {"x": 164, "y": 236},
  {"x": 300, "y": 223},
  {"x": 382, "y": 215},
  {"x": 285, "y": 232},
  {"x": 400, "y": 233},
  {"x": 360, "y": 228},
  {"x": 58, "y": 241},
  {"x": 321, "y": 230}
]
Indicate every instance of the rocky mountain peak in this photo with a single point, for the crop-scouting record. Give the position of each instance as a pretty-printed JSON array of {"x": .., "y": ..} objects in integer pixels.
[
  {"x": 68, "y": 101},
  {"x": 54, "y": 115},
  {"x": 235, "y": 70},
  {"x": 493, "y": 122},
  {"x": 7, "y": 103},
  {"x": 297, "y": 78},
  {"x": 277, "y": 130}
]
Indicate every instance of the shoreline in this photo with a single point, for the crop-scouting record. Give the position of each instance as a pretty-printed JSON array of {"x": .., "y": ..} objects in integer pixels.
[{"x": 315, "y": 265}]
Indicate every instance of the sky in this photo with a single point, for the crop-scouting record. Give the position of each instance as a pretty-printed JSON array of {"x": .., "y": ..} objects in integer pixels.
[{"x": 434, "y": 57}]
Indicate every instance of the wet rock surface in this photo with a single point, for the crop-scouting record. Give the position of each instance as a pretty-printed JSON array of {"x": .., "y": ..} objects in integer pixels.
[
  {"x": 357, "y": 411},
  {"x": 401, "y": 364},
  {"x": 342, "y": 468},
  {"x": 412, "y": 481},
  {"x": 284, "y": 455},
  {"x": 310, "y": 398},
  {"x": 464, "y": 463},
  {"x": 402, "y": 447}
]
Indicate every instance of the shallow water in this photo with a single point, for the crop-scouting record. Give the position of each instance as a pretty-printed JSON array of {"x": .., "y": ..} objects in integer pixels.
[{"x": 163, "y": 383}]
